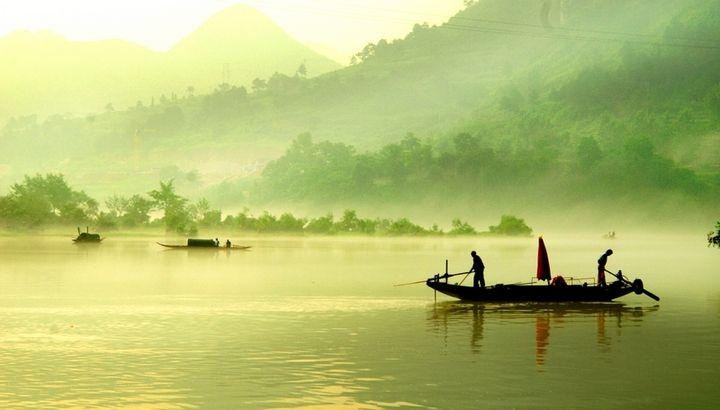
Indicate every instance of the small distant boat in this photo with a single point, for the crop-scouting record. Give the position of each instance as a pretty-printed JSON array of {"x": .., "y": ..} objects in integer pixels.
[
  {"x": 205, "y": 244},
  {"x": 609, "y": 235},
  {"x": 87, "y": 237}
]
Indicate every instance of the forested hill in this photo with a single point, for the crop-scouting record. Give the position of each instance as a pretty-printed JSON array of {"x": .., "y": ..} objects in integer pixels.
[{"x": 519, "y": 73}]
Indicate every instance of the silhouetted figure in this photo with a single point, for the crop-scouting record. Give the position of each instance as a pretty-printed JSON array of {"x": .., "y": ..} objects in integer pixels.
[
  {"x": 228, "y": 244},
  {"x": 601, "y": 267},
  {"x": 217, "y": 242},
  {"x": 479, "y": 268}
]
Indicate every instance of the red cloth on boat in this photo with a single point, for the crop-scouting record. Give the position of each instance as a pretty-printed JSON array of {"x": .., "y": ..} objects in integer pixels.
[
  {"x": 558, "y": 281},
  {"x": 543, "y": 263}
]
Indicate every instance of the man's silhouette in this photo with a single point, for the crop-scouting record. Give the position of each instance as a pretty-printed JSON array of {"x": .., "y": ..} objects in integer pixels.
[
  {"x": 479, "y": 268},
  {"x": 601, "y": 267}
]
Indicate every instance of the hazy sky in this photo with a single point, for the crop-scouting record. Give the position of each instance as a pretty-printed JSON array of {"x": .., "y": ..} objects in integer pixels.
[{"x": 341, "y": 25}]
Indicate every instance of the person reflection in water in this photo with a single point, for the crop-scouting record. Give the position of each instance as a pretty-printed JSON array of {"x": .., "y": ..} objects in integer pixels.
[
  {"x": 479, "y": 268},
  {"x": 601, "y": 267}
]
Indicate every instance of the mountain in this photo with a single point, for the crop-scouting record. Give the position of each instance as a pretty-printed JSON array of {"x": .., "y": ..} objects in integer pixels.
[
  {"x": 45, "y": 73},
  {"x": 48, "y": 74},
  {"x": 244, "y": 44},
  {"x": 539, "y": 86}
]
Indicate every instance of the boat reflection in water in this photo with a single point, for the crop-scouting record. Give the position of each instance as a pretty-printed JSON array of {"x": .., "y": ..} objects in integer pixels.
[{"x": 446, "y": 318}]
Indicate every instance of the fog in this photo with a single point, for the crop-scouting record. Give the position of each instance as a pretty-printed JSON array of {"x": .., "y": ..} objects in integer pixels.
[{"x": 223, "y": 223}]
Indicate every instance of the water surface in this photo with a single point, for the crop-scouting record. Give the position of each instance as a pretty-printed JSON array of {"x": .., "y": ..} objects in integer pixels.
[{"x": 316, "y": 322}]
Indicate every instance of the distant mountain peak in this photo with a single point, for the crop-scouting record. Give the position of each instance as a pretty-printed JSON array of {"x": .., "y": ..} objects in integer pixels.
[{"x": 236, "y": 24}]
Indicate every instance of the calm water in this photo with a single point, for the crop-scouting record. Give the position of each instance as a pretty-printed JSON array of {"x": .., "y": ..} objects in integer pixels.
[{"x": 316, "y": 323}]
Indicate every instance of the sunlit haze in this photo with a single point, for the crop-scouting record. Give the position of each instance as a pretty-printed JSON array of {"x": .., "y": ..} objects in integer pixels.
[{"x": 337, "y": 27}]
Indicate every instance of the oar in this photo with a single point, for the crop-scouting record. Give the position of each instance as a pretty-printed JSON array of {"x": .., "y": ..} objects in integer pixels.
[
  {"x": 645, "y": 291},
  {"x": 444, "y": 276}
]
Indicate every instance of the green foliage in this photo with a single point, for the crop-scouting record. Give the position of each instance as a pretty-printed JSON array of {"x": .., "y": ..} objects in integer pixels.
[
  {"x": 321, "y": 225},
  {"x": 176, "y": 214},
  {"x": 468, "y": 165},
  {"x": 511, "y": 226},
  {"x": 126, "y": 212},
  {"x": 461, "y": 228},
  {"x": 714, "y": 237},
  {"x": 404, "y": 227},
  {"x": 45, "y": 200}
]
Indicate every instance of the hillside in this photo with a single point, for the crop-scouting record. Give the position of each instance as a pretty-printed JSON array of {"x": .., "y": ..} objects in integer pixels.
[
  {"x": 528, "y": 85},
  {"x": 49, "y": 74}
]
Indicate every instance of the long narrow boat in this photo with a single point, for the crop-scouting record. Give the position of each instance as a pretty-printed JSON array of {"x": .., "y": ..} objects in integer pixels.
[
  {"x": 557, "y": 290},
  {"x": 216, "y": 248},
  {"x": 537, "y": 293}
]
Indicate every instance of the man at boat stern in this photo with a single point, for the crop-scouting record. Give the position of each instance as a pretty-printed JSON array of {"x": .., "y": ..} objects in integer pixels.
[
  {"x": 479, "y": 268},
  {"x": 601, "y": 267}
]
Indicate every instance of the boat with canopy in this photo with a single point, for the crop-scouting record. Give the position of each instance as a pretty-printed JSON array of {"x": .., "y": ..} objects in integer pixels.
[{"x": 206, "y": 244}]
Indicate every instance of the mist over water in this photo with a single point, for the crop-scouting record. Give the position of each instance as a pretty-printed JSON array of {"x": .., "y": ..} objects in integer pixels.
[
  {"x": 302, "y": 322},
  {"x": 511, "y": 120}
]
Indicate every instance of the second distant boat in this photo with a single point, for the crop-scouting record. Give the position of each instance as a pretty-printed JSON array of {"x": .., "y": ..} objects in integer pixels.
[{"x": 206, "y": 244}]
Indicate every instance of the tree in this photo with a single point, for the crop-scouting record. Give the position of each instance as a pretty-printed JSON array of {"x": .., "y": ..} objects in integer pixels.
[
  {"x": 259, "y": 85},
  {"x": 117, "y": 205},
  {"x": 511, "y": 226},
  {"x": 714, "y": 237},
  {"x": 367, "y": 52},
  {"x": 46, "y": 199},
  {"x": 137, "y": 211},
  {"x": 174, "y": 207},
  {"x": 462, "y": 228}
]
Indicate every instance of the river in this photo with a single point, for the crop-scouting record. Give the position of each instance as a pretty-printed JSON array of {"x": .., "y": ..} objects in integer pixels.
[{"x": 317, "y": 323}]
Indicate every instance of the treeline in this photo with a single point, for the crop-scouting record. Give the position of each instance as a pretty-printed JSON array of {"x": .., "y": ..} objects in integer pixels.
[
  {"x": 545, "y": 170},
  {"x": 44, "y": 200}
]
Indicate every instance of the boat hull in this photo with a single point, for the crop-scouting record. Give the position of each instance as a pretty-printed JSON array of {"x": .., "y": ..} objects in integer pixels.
[
  {"x": 533, "y": 293},
  {"x": 216, "y": 248}
]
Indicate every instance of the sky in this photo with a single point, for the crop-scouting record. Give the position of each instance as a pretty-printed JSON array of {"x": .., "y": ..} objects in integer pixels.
[{"x": 338, "y": 27}]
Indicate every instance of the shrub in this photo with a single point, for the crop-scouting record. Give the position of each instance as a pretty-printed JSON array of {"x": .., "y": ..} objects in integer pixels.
[{"x": 511, "y": 226}]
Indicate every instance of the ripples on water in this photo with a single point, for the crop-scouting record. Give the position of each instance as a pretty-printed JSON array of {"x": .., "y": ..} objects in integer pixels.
[{"x": 80, "y": 336}]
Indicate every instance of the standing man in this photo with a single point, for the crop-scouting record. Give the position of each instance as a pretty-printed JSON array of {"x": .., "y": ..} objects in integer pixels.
[
  {"x": 601, "y": 267},
  {"x": 479, "y": 268}
]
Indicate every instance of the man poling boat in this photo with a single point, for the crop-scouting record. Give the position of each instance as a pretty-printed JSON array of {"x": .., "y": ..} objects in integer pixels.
[{"x": 557, "y": 289}]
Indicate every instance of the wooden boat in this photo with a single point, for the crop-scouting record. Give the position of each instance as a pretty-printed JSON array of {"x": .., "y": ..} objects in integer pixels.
[
  {"x": 537, "y": 293},
  {"x": 557, "y": 290},
  {"x": 216, "y": 248},
  {"x": 87, "y": 237}
]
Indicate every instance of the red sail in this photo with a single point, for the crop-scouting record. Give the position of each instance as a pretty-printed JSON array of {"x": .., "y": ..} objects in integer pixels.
[{"x": 543, "y": 263}]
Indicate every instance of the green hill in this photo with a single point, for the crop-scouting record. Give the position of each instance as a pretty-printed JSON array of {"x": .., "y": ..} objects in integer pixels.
[
  {"x": 48, "y": 74},
  {"x": 541, "y": 90}
]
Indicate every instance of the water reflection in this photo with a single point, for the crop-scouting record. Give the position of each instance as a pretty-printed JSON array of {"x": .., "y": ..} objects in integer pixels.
[{"x": 447, "y": 318}]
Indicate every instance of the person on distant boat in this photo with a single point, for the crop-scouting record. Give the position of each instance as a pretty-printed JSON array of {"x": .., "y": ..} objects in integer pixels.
[
  {"x": 217, "y": 242},
  {"x": 479, "y": 268},
  {"x": 228, "y": 244},
  {"x": 601, "y": 267}
]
